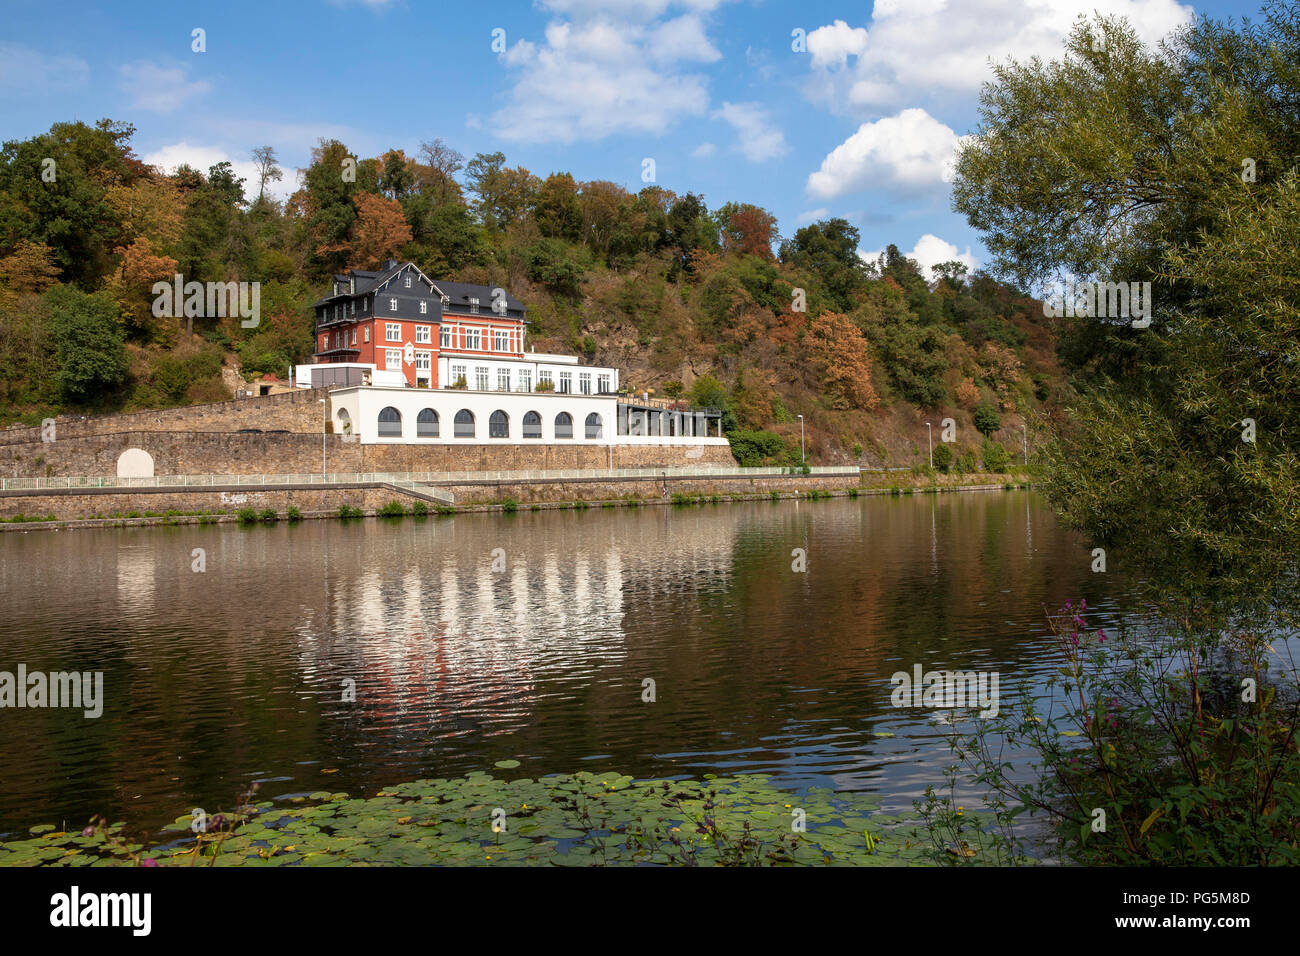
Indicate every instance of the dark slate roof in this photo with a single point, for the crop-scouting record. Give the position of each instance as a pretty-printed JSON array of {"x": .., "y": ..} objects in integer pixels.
[{"x": 460, "y": 293}]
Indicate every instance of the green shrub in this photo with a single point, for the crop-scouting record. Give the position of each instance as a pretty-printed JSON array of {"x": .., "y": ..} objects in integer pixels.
[
  {"x": 680, "y": 499},
  {"x": 444, "y": 510},
  {"x": 943, "y": 457},
  {"x": 392, "y": 509},
  {"x": 247, "y": 516},
  {"x": 987, "y": 420},
  {"x": 774, "y": 495},
  {"x": 534, "y": 507},
  {"x": 510, "y": 506},
  {"x": 754, "y": 448},
  {"x": 347, "y": 511},
  {"x": 269, "y": 516},
  {"x": 996, "y": 458},
  {"x": 293, "y": 513},
  {"x": 895, "y": 491},
  {"x": 966, "y": 463},
  {"x": 420, "y": 509},
  {"x": 580, "y": 506}
]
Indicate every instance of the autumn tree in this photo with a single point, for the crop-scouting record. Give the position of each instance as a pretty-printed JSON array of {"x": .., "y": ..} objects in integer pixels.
[
  {"x": 378, "y": 232},
  {"x": 839, "y": 354},
  {"x": 746, "y": 229}
]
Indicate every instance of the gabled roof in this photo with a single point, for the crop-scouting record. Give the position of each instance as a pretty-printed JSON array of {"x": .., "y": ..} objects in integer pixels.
[{"x": 458, "y": 293}]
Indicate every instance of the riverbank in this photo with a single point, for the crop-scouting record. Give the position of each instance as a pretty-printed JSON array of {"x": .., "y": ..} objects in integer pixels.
[
  {"x": 582, "y": 819},
  {"x": 80, "y": 508}
]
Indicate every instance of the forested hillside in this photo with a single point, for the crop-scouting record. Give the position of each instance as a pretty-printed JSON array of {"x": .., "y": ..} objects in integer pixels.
[{"x": 710, "y": 304}]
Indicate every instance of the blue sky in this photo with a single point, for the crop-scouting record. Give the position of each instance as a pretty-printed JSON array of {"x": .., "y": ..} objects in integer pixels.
[{"x": 861, "y": 124}]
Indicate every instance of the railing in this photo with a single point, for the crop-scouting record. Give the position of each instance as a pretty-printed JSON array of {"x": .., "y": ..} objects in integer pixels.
[{"x": 420, "y": 477}]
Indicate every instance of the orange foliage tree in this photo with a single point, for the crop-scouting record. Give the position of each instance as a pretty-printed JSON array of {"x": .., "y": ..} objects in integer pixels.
[{"x": 840, "y": 355}]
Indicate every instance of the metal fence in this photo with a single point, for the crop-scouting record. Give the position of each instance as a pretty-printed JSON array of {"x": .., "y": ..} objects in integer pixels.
[{"x": 422, "y": 477}]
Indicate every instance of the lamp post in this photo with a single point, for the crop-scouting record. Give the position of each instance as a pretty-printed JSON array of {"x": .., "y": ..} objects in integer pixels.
[
  {"x": 802, "y": 457},
  {"x": 1024, "y": 428},
  {"x": 324, "y": 412},
  {"x": 929, "y": 438}
]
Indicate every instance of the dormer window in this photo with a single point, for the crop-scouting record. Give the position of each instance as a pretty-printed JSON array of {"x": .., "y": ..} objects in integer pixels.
[
  {"x": 392, "y": 305},
  {"x": 473, "y": 306}
]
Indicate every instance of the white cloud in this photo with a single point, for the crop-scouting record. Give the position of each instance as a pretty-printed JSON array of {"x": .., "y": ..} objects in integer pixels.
[
  {"x": 910, "y": 152},
  {"x": 167, "y": 158},
  {"x": 704, "y": 150},
  {"x": 159, "y": 89},
  {"x": 757, "y": 138},
  {"x": 26, "y": 72},
  {"x": 608, "y": 68},
  {"x": 918, "y": 48},
  {"x": 928, "y": 252},
  {"x": 813, "y": 215}
]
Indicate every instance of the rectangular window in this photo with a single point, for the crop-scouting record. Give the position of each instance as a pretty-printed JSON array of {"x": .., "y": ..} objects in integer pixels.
[
  {"x": 543, "y": 375},
  {"x": 422, "y": 334},
  {"x": 566, "y": 383},
  {"x": 472, "y": 338},
  {"x": 473, "y": 306},
  {"x": 584, "y": 383},
  {"x": 457, "y": 374},
  {"x": 424, "y": 307},
  {"x": 392, "y": 305},
  {"x": 501, "y": 341},
  {"x": 366, "y": 334},
  {"x": 393, "y": 332},
  {"x": 503, "y": 380},
  {"x": 444, "y": 339},
  {"x": 354, "y": 335},
  {"x": 393, "y": 359},
  {"x": 408, "y": 282},
  {"x": 354, "y": 306},
  {"x": 525, "y": 380},
  {"x": 324, "y": 342},
  {"x": 602, "y": 384},
  {"x": 481, "y": 378},
  {"x": 422, "y": 361}
]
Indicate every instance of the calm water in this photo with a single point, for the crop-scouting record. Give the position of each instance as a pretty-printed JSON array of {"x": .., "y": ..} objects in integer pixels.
[{"x": 235, "y": 674}]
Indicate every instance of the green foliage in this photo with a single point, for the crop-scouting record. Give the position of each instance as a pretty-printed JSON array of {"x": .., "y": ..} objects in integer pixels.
[
  {"x": 293, "y": 514},
  {"x": 943, "y": 457},
  {"x": 88, "y": 343},
  {"x": 392, "y": 509},
  {"x": 995, "y": 457},
  {"x": 348, "y": 511},
  {"x": 987, "y": 420},
  {"x": 420, "y": 509},
  {"x": 755, "y": 448},
  {"x": 509, "y": 506},
  {"x": 247, "y": 516}
]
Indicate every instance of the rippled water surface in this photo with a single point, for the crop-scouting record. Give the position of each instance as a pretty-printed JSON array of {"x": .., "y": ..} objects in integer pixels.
[{"x": 239, "y": 673}]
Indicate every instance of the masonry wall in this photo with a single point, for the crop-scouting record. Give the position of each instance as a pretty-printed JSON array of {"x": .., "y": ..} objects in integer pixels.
[
  {"x": 296, "y": 411},
  {"x": 227, "y": 453}
]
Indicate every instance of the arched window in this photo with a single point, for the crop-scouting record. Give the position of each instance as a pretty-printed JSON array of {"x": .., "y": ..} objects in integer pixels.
[
  {"x": 464, "y": 423},
  {"x": 532, "y": 425},
  {"x": 564, "y": 425},
  {"x": 426, "y": 424},
  {"x": 499, "y": 425},
  {"x": 593, "y": 425},
  {"x": 344, "y": 426},
  {"x": 390, "y": 423}
]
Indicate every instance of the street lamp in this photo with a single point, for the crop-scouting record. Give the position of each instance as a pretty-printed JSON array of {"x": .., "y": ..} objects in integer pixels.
[
  {"x": 324, "y": 411},
  {"x": 1025, "y": 429},
  {"x": 929, "y": 438},
  {"x": 802, "y": 457}
]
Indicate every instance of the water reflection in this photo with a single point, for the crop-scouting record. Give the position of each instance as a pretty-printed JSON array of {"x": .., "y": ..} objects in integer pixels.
[{"x": 476, "y": 638}]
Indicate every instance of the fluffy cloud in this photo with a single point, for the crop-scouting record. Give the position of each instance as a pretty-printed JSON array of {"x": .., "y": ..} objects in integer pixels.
[
  {"x": 910, "y": 152},
  {"x": 202, "y": 158},
  {"x": 26, "y": 72},
  {"x": 757, "y": 138},
  {"x": 157, "y": 88},
  {"x": 929, "y": 251},
  {"x": 918, "y": 48},
  {"x": 611, "y": 68}
]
